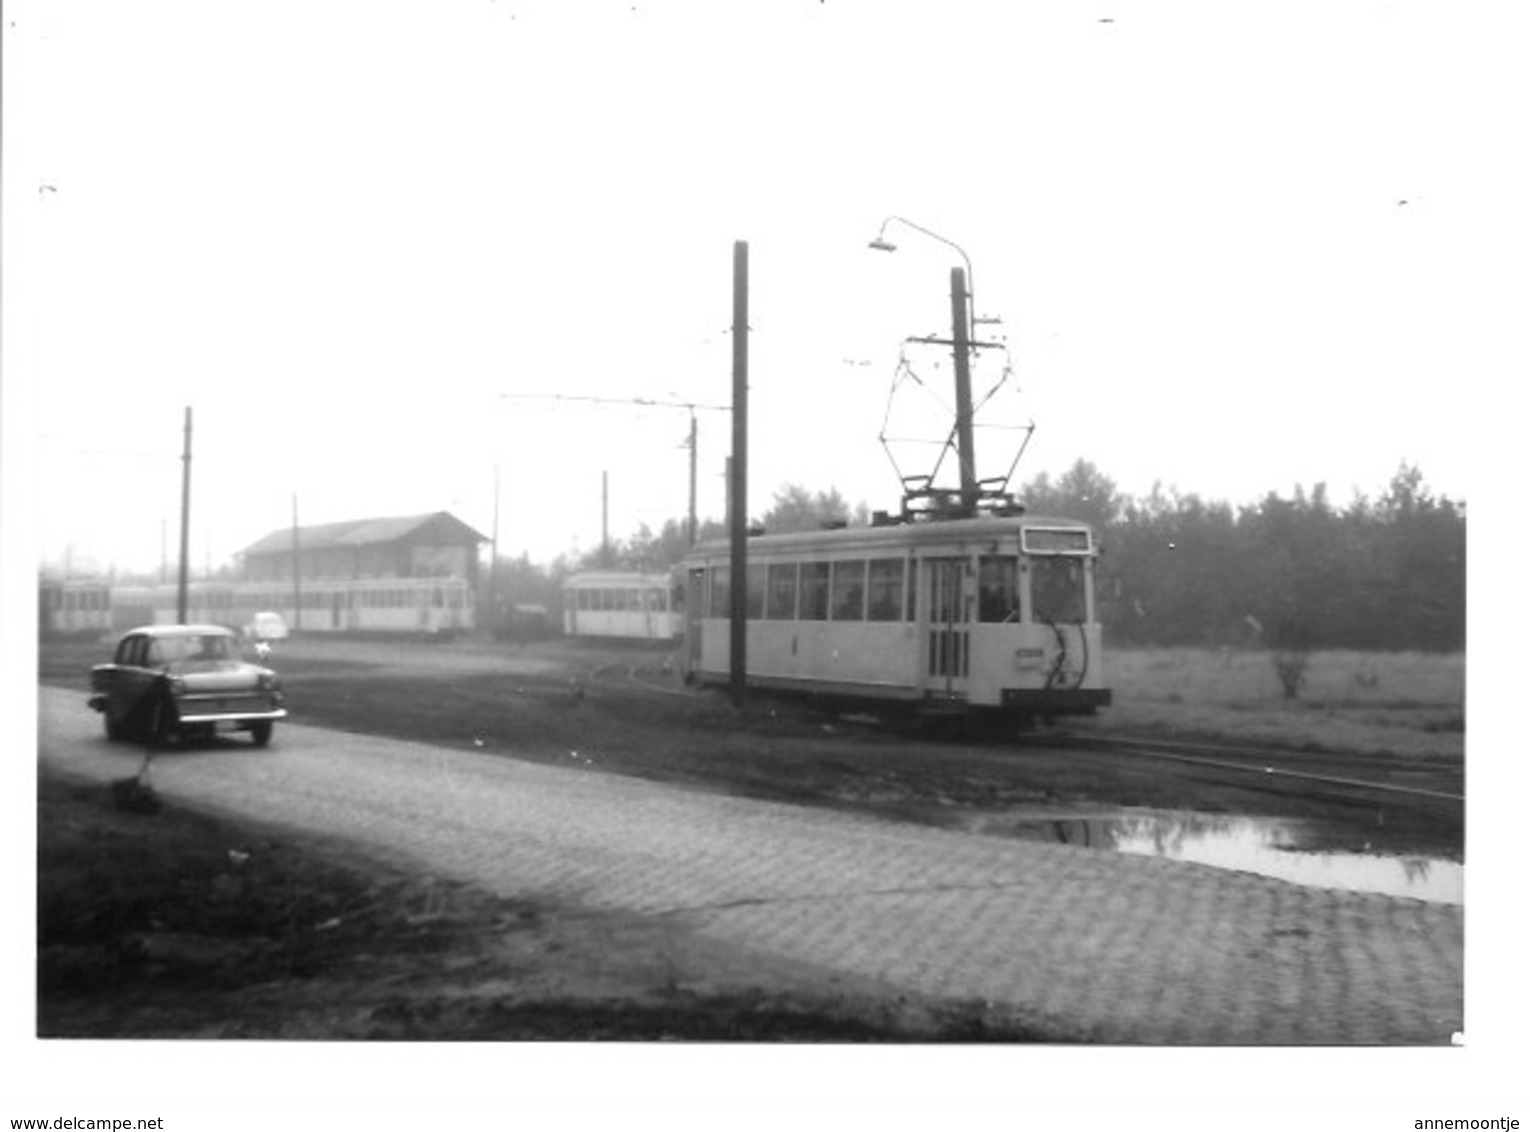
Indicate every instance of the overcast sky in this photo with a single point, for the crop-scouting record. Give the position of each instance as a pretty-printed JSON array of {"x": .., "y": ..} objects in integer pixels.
[{"x": 1233, "y": 248}]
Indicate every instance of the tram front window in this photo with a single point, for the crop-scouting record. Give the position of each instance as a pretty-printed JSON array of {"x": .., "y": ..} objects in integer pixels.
[
  {"x": 1057, "y": 589},
  {"x": 998, "y": 589}
]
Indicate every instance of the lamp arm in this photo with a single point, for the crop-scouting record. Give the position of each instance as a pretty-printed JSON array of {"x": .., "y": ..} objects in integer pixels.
[{"x": 971, "y": 285}]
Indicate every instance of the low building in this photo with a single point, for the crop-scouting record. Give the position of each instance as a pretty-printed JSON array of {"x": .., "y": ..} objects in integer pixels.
[{"x": 437, "y": 545}]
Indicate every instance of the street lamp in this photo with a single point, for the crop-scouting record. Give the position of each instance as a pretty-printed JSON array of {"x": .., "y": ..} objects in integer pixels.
[
  {"x": 963, "y": 337},
  {"x": 969, "y": 298}
]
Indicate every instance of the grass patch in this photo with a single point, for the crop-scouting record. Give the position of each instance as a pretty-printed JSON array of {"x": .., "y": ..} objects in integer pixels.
[{"x": 1409, "y": 704}]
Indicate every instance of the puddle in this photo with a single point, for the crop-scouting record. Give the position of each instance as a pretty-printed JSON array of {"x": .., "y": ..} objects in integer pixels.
[{"x": 1268, "y": 846}]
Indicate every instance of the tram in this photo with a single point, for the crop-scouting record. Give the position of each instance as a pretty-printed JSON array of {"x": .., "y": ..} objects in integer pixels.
[
  {"x": 994, "y": 612},
  {"x": 75, "y": 608},
  {"x": 621, "y": 605},
  {"x": 432, "y": 606}
]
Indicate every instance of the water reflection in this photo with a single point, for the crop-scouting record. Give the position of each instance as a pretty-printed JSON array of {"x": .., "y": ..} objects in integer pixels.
[{"x": 1267, "y": 846}]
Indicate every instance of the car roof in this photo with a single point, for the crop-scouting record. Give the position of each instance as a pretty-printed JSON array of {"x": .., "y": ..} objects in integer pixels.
[{"x": 182, "y": 630}]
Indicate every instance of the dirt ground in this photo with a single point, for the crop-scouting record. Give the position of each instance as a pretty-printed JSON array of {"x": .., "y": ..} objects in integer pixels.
[
  {"x": 156, "y": 922},
  {"x": 176, "y": 924}
]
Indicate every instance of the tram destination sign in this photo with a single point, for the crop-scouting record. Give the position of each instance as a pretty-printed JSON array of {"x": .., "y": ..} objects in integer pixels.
[{"x": 1055, "y": 540}]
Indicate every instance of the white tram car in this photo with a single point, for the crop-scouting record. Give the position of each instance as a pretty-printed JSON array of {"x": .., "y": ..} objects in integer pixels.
[
  {"x": 394, "y": 605},
  {"x": 988, "y": 612},
  {"x": 621, "y": 605},
  {"x": 74, "y": 608}
]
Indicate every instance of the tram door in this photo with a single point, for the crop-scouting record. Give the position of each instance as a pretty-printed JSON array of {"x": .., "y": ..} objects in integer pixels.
[{"x": 948, "y": 648}]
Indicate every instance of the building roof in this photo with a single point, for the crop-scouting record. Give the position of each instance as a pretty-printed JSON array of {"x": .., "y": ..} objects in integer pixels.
[{"x": 364, "y": 532}]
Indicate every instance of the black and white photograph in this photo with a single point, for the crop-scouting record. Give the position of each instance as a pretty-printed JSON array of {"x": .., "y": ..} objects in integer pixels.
[{"x": 914, "y": 551}]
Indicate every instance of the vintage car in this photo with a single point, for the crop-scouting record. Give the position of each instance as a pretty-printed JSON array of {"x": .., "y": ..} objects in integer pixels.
[{"x": 167, "y": 681}]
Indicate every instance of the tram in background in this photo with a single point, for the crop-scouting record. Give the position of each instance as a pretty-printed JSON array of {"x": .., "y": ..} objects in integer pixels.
[
  {"x": 75, "y": 608},
  {"x": 993, "y": 612},
  {"x": 620, "y": 605},
  {"x": 431, "y": 606}
]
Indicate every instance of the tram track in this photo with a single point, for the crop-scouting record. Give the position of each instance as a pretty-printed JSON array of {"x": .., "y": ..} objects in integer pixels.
[
  {"x": 1266, "y": 763},
  {"x": 933, "y": 766},
  {"x": 1270, "y": 763}
]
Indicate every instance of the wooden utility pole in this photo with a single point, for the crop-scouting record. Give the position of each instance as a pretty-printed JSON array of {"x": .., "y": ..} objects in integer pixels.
[
  {"x": 605, "y": 520},
  {"x": 966, "y": 457},
  {"x": 182, "y": 586},
  {"x": 494, "y": 543},
  {"x": 738, "y": 482},
  {"x": 691, "y": 514},
  {"x": 297, "y": 571}
]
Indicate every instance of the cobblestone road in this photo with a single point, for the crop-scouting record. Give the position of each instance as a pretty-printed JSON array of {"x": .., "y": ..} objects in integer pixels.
[{"x": 1094, "y": 944}]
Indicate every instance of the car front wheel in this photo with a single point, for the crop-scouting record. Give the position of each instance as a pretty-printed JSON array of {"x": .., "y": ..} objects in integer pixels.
[
  {"x": 260, "y": 732},
  {"x": 165, "y": 725}
]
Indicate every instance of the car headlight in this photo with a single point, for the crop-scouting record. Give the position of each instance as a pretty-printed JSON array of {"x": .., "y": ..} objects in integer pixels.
[
  {"x": 269, "y": 683},
  {"x": 177, "y": 686}
]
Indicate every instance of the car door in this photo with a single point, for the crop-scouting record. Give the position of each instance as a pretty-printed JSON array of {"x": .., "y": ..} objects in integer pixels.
[
  {"x": 111, "y": 680},
  {"x": 134, "y": 677}
]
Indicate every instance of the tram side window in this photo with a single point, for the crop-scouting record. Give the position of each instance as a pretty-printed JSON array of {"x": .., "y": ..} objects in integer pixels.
[
  {"x": 754, "y": 598},
  {"x": 885, "y": 590},
  {"x": 1057, "y": 589},
  {"x": 849, "y": 591},
  {"x": 998, "y": 588},
  {"x": 781, "y": 591},
  {"x": 720, "y": 603},
  {"x": 813, "y": 602}
]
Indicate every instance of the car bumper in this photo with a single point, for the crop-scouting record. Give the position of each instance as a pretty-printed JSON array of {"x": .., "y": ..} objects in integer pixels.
[
  {"x": 202, "y": 718},
  {"x": 236, "y": 708}
]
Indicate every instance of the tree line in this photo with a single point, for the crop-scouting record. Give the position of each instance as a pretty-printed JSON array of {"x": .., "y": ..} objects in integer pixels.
[{"x": 1291, "y": 573}]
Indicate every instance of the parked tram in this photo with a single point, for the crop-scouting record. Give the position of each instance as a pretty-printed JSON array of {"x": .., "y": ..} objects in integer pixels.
[
  {"x": 994, "y": 612},
  {"x": 74, "y": 608},
  {"x": 431, "y": 606},
  {"x": 619, "y": 605}
]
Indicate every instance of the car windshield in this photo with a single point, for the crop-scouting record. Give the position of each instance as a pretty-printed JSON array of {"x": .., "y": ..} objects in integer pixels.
[{"x": 199, "y": 647}]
